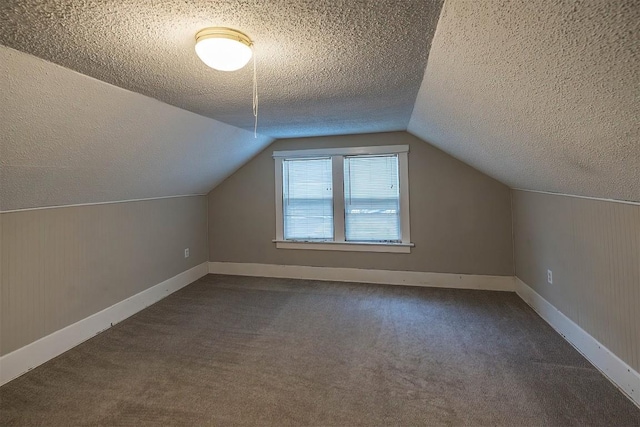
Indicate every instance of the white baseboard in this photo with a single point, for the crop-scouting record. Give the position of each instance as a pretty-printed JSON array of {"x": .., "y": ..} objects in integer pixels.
[
  {"x": 22, "y": 360},
  {"x": 616, "y": 370},
  {"x": 388, "y": 277}
]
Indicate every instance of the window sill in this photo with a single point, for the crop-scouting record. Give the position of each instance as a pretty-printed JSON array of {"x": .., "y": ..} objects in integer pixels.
[{"x": 401, "y": 248}]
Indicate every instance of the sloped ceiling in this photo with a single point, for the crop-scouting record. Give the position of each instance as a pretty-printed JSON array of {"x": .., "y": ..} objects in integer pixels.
[
  {"x": 67, "y": 138},
  {"x": 540, "y": 94},
  {"x": 324, "y": 66}
]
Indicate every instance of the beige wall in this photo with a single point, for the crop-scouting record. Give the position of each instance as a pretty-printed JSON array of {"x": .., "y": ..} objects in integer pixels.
[
  {"x": 460, "y": 218},
  {"x": 58, "y": 266},
  {"x": 593, "y": 249}
]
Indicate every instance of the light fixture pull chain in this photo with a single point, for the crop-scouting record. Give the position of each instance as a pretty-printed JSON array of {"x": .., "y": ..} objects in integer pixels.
[{"x": 255, "y": 98}]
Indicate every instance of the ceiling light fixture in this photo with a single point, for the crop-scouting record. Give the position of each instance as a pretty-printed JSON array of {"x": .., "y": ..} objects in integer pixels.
[
  {"x": 223, "y": 49},
  {"x": 226, "y": 49}
]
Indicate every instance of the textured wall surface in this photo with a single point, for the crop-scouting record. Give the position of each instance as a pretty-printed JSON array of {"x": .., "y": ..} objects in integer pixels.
[
  {"x": 324, "y": 66},
  {"x": 539, "y": 94},
  {"x": 593, "y": 249},
  {"x": 58, "y": 266},
  {"x": 67, "y": 139},
  {"x": 460, "y": 218}
]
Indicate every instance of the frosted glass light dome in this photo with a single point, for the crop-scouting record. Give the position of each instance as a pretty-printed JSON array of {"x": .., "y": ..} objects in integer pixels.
[{"x": 223, "y": 49}]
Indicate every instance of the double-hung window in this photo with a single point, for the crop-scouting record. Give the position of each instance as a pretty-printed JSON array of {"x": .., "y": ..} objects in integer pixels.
[{"x": 354, "y": 199}]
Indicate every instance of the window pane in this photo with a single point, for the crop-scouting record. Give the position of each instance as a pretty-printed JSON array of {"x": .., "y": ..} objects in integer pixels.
[
  {"x": 307, "y": 204},
  {"x": 371, "y": 198}
]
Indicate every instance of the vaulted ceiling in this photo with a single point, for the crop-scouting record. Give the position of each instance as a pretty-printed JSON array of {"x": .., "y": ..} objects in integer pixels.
[
  {"x": 70, "y": 139},
  {"x": 540, "y": 94},
  {"x": 323, "y": 66}
]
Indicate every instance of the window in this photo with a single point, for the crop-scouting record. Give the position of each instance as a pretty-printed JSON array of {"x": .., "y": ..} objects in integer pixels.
[
  {"x": 307, "y": 204},
  {"x": 371, "y": 199},
  {"x": 354, "y": 199}
]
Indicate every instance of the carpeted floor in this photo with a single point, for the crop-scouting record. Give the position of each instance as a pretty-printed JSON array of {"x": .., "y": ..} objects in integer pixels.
[{"x": 252, "y": 351}]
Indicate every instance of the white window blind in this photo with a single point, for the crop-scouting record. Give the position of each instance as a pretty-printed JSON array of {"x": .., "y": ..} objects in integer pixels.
[
  {"x": 372, "y": 199},
  {"x": 307, "y": 202}
]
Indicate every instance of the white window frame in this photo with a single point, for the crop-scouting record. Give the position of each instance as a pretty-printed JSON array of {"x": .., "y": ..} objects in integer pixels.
[{"x": 339, "y": 243}]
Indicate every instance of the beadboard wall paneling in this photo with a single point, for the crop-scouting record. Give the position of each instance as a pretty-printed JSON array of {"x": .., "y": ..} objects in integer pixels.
[
  {"x": 60, "y": 265},
  {"x": 593, "y": 250}
]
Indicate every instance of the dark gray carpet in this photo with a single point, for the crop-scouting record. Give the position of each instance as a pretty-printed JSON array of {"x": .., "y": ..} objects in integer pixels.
[{"x": 251, "y": 351}]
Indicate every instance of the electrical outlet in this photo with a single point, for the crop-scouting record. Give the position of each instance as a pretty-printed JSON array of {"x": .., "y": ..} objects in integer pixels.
[
  {"x": 550, "y": 277},
  {"x": 186, "y": 253}
]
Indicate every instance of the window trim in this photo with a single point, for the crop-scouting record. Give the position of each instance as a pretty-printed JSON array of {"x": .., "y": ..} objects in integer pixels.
[{"x": 337, "y": 157}]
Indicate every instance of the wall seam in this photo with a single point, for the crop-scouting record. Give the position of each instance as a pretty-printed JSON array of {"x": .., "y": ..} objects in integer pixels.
[
  {"x": 602, "y": 199},
  {"x": 99, "y": 203}
]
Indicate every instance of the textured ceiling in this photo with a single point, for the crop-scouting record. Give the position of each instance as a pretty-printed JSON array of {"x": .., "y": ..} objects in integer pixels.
[
  {"x": 324, "y": 66},
  {"x": 67, "y": 138},
  {"x": 540, "y": 94}
]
